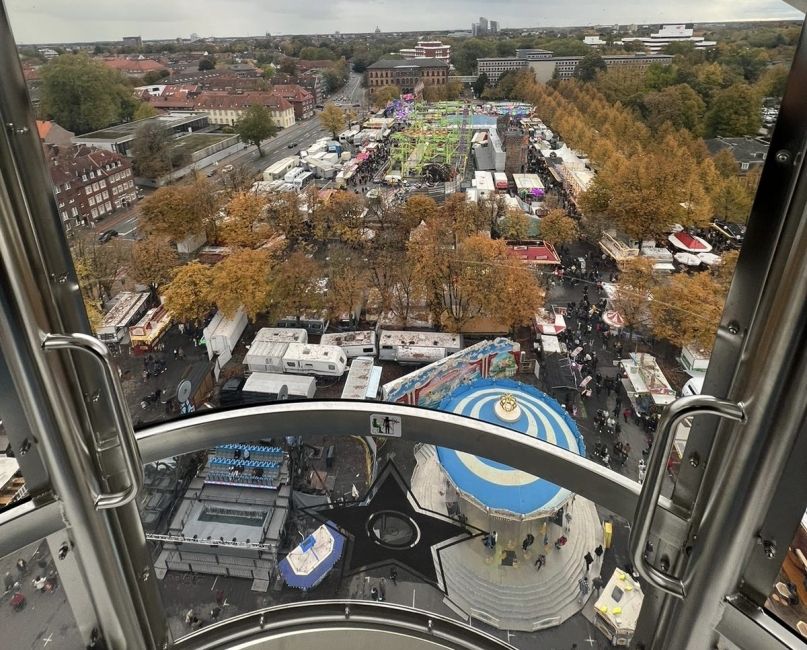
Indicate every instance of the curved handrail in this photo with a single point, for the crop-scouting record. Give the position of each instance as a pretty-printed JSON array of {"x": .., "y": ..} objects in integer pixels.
[{"x": 310, "y": 418}]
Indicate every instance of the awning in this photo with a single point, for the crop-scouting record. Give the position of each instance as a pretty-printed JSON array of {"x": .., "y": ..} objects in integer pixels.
[
  {"x": 613, "y": 319},
  {"x": 689, "y": 243}
]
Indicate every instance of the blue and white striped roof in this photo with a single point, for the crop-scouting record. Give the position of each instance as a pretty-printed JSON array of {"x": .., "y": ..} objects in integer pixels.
[{"x": 499, "y": 486}]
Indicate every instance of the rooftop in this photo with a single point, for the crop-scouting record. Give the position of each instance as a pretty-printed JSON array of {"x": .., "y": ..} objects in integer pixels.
[
  {"x": 126, "y": 131},
  {"x": 408, "y": 63}
]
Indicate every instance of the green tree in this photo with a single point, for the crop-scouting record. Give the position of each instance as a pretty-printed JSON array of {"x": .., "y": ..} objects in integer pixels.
[
  {"x": 144, "y": 110},
  {"x": 480, "y": 84},
  {"x": 589, "y": 66},
  {"x": 736, "y": 111},
  {"x": 332, "y": 118},
  {"x": 289, "y": 66},
  {"x": 773, "y": 81},
  {"x": 255, "y": 126},
  {"x": 207, "y": 63},
  {"x": 83, "y": 95},
  {"x": 154, "y": 76},
  {"x": 515, "y": 225},
  {"x": 679, "y": 105},
  {"x": 732, "y": 199},
  {"x": 382, "y": 96},
  {"x": 154, "y": 152}
]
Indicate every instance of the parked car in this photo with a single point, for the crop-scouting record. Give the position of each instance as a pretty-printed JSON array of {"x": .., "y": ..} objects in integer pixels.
[
  {"x": 105, "y": 236},
  {"x": 291, "y": 145},
  {"x": 227, "y": 169}
]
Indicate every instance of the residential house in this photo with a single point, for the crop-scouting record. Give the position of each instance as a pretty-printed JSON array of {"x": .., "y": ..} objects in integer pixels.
[
  {"x": 312, "y": 81},
  {"x": 298, "y": 97},
  {"x": 749, "y": 152},
  {"x": 89, "y": 183},
  {"x": 226, "y": 109},
  {"x": 51, "y": 133}
]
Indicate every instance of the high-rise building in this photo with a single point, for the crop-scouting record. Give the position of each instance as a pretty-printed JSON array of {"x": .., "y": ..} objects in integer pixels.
[
  {"x": 493, "y": 27},
  {"x": 484, "y": 27}
]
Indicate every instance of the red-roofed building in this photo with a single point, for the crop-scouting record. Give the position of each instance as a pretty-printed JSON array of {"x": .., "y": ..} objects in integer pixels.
[
  {"x": 298, "y": 97},
  {"x": 134, "y": 67},
  {"x": 226, "y": 109},
  {"x": 89, "y": 183},
  {"x": 303, "y": 66},
  {"x": 535, "y": 253},
  {"x": 52, "y": 133}
]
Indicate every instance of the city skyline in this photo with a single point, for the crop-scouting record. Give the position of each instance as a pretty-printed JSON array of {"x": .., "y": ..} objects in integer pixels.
[{"x": 52, "y": 21}]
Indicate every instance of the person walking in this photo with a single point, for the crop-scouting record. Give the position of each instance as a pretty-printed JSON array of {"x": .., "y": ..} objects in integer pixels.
[
  {"x": 598, "y": 551},
  {"x": 598, "y": 584},
  {"x": 393, "y": 575},
  {"x": 540, "y": 562},
  {"x": 626, "y": 414},
  {"x": 8, "y": 581},
  {"x": 589, "y": 560},
  {"x": 582, "y": 585}
]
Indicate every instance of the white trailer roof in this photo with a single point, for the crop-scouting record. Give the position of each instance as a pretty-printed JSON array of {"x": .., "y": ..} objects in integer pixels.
[
  {"x": 281, "y": 335},
  {"x": 314, "y": 352},
  {"x": 343, "y": 339},
  {"x": 266, "y": 349},
  {"x": 359, "y": 378},
  {"x": 268, "y": 382},
  {"x": 484, "y": 181},
  {"x": 420, "y": 339},
  {"x": 124, "y": 310}
]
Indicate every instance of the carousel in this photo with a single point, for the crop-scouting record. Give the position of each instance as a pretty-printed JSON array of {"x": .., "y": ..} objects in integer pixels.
[{"x": 536, "y": 533}]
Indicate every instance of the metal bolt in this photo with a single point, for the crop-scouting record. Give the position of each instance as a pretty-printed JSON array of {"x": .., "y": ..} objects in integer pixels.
[
  {"x": 95, "y": 396},
  {"x": 430, "y": 625},
  {"x": 769, "y": 548},
  {"x": 262, "y": 621},
  {"x": 783, "y": 157},
  {"x": 145, "y": 575},
  {"x": 347, "y": 611},
  {"x": 13, "y": 130},
  {"x": 25, "y": 447},
  {"x": 694, "y": 459},
  {"x": 734, "y": 327}
]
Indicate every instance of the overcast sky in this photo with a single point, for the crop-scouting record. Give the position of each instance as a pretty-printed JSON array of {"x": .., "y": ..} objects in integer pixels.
[{"x": 43, "y": 21}]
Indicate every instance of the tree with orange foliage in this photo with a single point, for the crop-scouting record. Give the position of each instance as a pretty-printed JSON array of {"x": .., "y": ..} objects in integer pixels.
[
  {"x": 187, "y": 296},
  {"x": 242, "y": 279},
  {"x": 244, "y": 224}
]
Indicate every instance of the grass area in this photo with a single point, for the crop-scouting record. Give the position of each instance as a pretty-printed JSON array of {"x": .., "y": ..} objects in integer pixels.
[{"x": 196, "y": 141}]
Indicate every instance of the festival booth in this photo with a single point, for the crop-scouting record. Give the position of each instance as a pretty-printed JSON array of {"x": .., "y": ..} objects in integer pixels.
[
  {"x": 617, "y": 609},
  {"x": 550, "y": 324},
  {"x": 313, "y": 558},
  {"x": 645, "y": 383},
  {"x": 689, "y": 243},
  {"x": 146, "y": 334}
]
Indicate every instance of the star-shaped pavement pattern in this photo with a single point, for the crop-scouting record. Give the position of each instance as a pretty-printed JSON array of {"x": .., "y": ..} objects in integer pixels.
[{"x": 388, "y": 526}]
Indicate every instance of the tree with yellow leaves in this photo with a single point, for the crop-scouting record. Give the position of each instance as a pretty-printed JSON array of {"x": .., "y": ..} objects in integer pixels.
[
  {"x": 187, "y": 296},
  {"x": 340, "y": 217},
  {"x": 286, "y": 216},
  {"x": 559, "y": 228},
  {"x": 296, "y": 286},
  {"x": 332, "y": 118},
  {"x": 634, "y": 291},
  {"x": 515, "y": 225},
  {"x": 177, "y": 211},
  {"x": 153, "y": 262},
  {"x": 242, "y": 279},
  {"x": 347, "y": 280},
  {"x": 687, "y": 310},
  {"x": 244, "y": 224}
]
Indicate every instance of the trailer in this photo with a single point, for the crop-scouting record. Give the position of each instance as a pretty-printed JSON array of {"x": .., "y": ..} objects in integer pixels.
[
  {"x": 128, "y": 309},
  {"x": 266, "y": 356},
  {"x": 146, "y": 334},
  {"x": 363, "y": 380},
  {"x": 293, "y": 173},
  {"x": 500, "y": 181},
  {"x": 312, "y": 323},
  {"x": 278, "y": 170},
  {"x": 355, "y": 344},
  {"x": 417, "y": 347},
  {"x": 222, "y": 334},
  {"x": 263, "y": 385},
  {"x": 617, "y": 608},
  {"x": 323, "y": 360},
  {"x": 303, "y": 180},
  {"x": 281, "y": 335}
]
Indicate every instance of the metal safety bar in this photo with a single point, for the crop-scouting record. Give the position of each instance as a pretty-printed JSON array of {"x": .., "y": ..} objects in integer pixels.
[
  {"x": 674, "y": 414},
  {"x": 117, "y": 402}
]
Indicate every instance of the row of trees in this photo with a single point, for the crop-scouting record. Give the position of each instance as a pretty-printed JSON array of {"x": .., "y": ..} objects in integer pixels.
[
  {"x": 683, "y": 309},
  {"x": 415, "y": 254}
]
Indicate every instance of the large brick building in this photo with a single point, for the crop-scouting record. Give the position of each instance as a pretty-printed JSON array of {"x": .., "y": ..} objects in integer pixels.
[
  {"x": 406, "y": 74},
  {"x": 89, "y": 183},
  {"x": 298, "y": 97}
]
